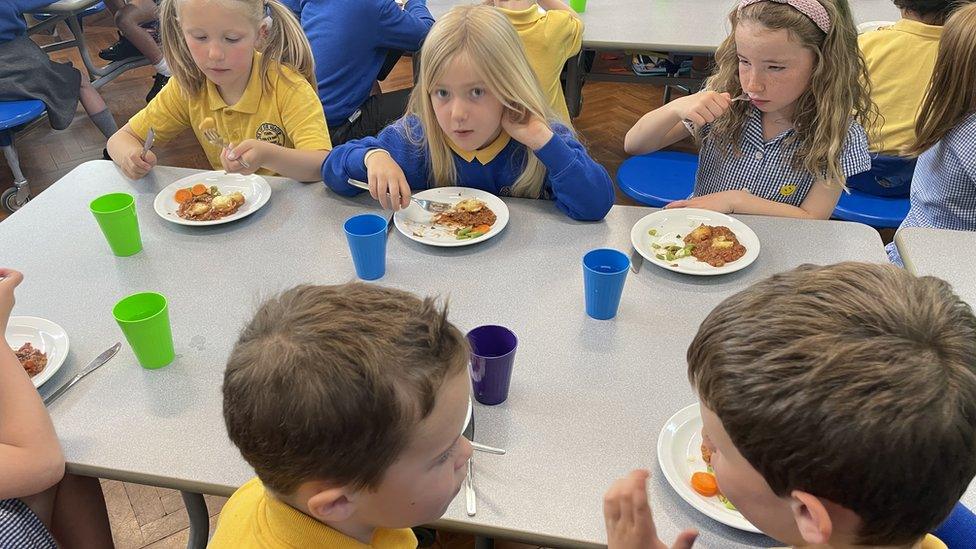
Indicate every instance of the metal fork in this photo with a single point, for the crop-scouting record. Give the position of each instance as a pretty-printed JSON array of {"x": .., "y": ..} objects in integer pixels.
[
  {"x": 215, "y": 139},
  {"x": 691, "y": 125},
  {"x": 430, "y": 205}
]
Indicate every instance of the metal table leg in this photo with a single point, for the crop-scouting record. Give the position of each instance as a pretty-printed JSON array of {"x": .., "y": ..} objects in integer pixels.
[{"x": 196, "y": 507}]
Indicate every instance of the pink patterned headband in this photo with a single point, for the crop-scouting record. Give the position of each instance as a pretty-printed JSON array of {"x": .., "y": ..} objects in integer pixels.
[{"x": 811, "y": 8}]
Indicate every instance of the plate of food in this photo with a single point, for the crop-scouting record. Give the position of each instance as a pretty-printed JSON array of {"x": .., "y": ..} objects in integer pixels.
[
  {"x": 696, "y": 242},
  {"x": 40, "y": 345},
  {"x": 474, "y": 216},
  {"x": 212, "y": 198},
  {"x": 682, "y": 458}
]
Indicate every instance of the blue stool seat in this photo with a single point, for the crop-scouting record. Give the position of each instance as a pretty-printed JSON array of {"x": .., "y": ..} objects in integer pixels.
[
  {"x": 90, "y": 10},
  {"x": 658, "y": 178},
  {"x": 18, "y": 113},
  {"x": 959, "y": 530},
  {"x": 880, "y": 212}
]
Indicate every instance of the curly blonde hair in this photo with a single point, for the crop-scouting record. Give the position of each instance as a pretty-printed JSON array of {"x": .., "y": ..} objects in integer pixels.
[
  {"x": 839, "y": 86},
  {"x": 484, "y": 37}
]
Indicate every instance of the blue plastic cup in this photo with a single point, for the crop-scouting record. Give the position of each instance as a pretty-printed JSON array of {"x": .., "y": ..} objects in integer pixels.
[
  {"x": 604, "y": 274},
  {"x": 366, "y": 234}
]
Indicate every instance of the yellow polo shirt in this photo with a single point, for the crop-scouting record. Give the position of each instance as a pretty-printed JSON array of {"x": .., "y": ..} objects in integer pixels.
[
  {"x": 549, "y": 38},
  {"x": 900, "y": 61},
  {"x": 286, "y": 112},
  {"x": 254, "y": 519}
]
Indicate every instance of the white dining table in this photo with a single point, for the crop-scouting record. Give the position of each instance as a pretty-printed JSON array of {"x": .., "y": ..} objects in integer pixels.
[{"x": 588, "y": 397}]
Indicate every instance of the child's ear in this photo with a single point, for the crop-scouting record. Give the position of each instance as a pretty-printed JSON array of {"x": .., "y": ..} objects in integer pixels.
[
  {"x": 331, "y": 505},
  {"x": 811, "y": 516}
]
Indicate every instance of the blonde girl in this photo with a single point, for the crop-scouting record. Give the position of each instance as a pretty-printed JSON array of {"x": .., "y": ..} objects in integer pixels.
[
  {"x": 781, "y": 121},
  {"x": 944, "y": 185},
  {"x": 476, "y": 118},
  {"x": 245, "y": 68}
]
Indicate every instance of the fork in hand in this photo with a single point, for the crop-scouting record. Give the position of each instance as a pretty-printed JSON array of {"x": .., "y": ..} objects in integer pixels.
[
  {"x": 690, "y": 126},
  {"x": 432, "y": 206},
  {"x": 215, "y": 139}
]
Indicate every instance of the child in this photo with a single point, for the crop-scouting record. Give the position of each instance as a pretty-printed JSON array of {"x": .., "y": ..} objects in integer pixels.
[
  {"x": 354, "y": 42},
  {"x": 839, "y": 406},
  {"x": 246, "y": 66},
  {"x": 136, "y": 40},
  {"x": 349, "y": 402},
  {"x": 944, "y": 185},
  {"x": 899, "y": 59},
  {"x": 40, "y": 506},
  {"x": 549, "y": 38},
  {"x": 26, "y": 72},
  {"x": 789, "y": 149},
  {"x": 476, "y": 118}
]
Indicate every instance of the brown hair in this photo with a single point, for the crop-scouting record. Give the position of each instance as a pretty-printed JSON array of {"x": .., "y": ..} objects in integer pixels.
[
  {"x": 328, "y": 382},
  {"x": 285, "y": 43},
  {"x": 854, "y": 382},
  {"x": 951, "y": 94},
  {"x": 839, "y": 86}
]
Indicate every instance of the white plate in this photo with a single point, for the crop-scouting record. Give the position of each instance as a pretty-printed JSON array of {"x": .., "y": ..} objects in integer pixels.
[
  {"x": 255, "y": 189},
  {"x": 679, "y": 454},
  {"x": 670, "y": 224},
  {"x": 415, "y": 222},
  {"x": 46, "y": 336}
]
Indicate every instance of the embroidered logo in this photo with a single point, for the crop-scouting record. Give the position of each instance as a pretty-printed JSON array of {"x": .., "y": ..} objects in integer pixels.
[
  {"x": 270, "y": 133},
  {"x": 787, "y": 190}
]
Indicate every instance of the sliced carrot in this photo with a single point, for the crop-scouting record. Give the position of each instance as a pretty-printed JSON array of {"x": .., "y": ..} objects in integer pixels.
[
  {"x": 704, "y": 484},
  {"x": 481, "y": 229},
  {"x": 198, "y": 189},
  {"x": 183, "y": 195}
]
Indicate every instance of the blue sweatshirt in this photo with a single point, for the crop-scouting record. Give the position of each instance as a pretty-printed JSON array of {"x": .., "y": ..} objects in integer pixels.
[
  {"x": 12, "y": 22},
  {"x": 350, "y": 40},
  {"x": 580, "y": 187}
]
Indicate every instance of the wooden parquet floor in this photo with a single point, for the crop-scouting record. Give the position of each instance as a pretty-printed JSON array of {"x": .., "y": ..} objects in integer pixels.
[{"x": 146, "y": 516}]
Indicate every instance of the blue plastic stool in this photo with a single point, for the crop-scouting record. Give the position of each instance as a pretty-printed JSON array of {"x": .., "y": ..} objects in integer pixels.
[
  {"x": 14, "y": 114},
  {"x": 959, "y": 530},
  {"x": 889, "y": 176},
  {"x": 879, "y": 212},
  {"x": 658, "y": 178},
  {"x": 90, "y": 10}
]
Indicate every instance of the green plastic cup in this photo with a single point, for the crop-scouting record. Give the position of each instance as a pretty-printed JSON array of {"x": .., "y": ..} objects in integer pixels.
[
  {"x": 144, "y": 319},
  {"x": 116, "y": 215},
  {"x": 579, "y": 6}
]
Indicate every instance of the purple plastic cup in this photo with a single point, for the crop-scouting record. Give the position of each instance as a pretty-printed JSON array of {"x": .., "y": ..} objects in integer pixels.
[{"x": 492, "y": 357}]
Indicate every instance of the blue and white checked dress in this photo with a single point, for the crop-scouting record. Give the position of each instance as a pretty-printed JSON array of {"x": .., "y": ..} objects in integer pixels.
[
  {"x": 21, "y": 529},
  {"x": 764, "y": 168},
  {"x": 944, "y": 185}
]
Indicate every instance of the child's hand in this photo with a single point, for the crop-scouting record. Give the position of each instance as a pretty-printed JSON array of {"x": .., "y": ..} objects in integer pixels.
[
  {"x": 527, "y": 129},
  {"x": 255, "y": 154},
  {"x": 723, "y": 202},
  {"x": 9, "y": 279},
  {"x": 701, "y": 108},
  {"x": 135, "y": 165},
  {"x": 387, "y": 183},
  {"x": 628, "y": 516}
]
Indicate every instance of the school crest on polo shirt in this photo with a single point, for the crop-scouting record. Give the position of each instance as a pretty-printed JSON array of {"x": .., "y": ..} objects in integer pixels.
[{"x": 270, "y": 133}]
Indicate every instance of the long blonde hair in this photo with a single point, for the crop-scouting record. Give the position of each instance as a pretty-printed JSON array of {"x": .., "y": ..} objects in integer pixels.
[
  {"x": 285, "y": 43},
  {"x": 486, "y": 38},
  {"x": 951, "y": 95},
  {"x": 839, "y": 86}
]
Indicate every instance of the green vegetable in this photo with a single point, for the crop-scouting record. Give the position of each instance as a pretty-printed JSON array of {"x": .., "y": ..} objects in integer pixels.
[
  {"x": 464, "y": 231},
  {"x": 652, "y": 232},
  {"x": 656, "y": 246},
  {"x": 474, "y": 234},
  {"x": 214, "y": 191},
  {"x": 725, "y": 501},
  {"x": 662, "y": 257}
]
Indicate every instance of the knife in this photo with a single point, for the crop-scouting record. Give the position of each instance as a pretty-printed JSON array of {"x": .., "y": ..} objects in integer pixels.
[
  {"x": 150, "y": 137},
  {"x": 636, "y": 260},
  {"x": 469, "y": 498},
  {"x": 92, "y": 366}
]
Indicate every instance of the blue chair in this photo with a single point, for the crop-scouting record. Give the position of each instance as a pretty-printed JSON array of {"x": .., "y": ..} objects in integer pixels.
[
  {"x": 90, "y": 10},
  {"x": 959, "y": 530},
  {"x": 658, "y": 178},
  {"x": 889, "y": 176},
  {"x": 880, "y": 212},
  {"x": 13, "y": 115}
]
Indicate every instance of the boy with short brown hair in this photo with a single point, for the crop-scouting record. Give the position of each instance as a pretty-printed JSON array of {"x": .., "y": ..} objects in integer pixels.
[
  {"x": 349, "y": 402},
  {"x": 839, "y": 404}
]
